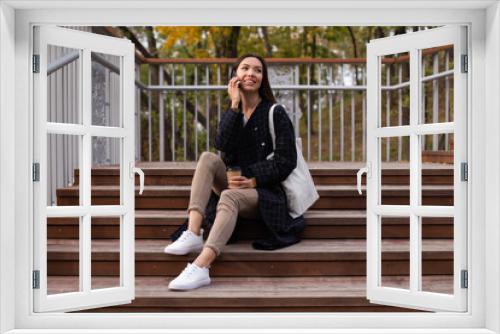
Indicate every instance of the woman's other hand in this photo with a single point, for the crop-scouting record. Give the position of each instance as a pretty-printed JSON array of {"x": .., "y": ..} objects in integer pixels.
[
  {"x": 233, "y": 90},
  {"x": 241, "y": 182}
]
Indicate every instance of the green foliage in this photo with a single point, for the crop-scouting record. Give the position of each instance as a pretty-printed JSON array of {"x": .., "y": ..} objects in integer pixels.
[{"x": 285, "y": 41}]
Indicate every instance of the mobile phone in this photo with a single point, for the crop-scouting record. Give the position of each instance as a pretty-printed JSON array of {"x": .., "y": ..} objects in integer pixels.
[
  {"x": 233, "y": 74},
  {"x": 239, "y": 82}
]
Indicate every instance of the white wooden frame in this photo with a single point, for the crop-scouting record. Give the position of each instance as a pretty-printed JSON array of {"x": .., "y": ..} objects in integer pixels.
[
  {"x": 483, "y": 122},
  {"x": 414, "y": 43},
  {"x": 86, "y": 297}
]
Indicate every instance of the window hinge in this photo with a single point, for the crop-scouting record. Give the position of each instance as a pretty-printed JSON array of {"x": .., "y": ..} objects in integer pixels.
[
  {"x": 465, "y": 279},
  {"x": 36, "y": 279},
  {"x": 36, "y": 172},
  {"x": 36, "y": 63},
  {"x": 465, "y": 66},
  {"x": 464, "y": 171}
]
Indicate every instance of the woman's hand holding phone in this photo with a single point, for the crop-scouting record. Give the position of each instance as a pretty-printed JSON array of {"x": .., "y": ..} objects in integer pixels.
[{"x": 233, "y": 90}]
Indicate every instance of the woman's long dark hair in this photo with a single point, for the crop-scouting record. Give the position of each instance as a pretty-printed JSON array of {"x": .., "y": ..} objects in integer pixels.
[{"x": 265, "y": 91}]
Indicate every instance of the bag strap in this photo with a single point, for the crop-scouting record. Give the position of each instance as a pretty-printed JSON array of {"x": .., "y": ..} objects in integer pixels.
[{"x": 271, "y": 125}]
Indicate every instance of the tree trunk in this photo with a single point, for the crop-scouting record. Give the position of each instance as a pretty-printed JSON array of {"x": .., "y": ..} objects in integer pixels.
[
  {"x": 232, "y": 43},
  {"x": 153, "y": 50},
  {"x": 355, "y": 52},
  {"x": 303, "y": 50},
  {"x": 314, "y": 51},
  {"x": 269, "y": 47},
  {"x": 400, "y": 31},
  {"x": 379, "y": 32},
  {"x": 138, "y": 45}
]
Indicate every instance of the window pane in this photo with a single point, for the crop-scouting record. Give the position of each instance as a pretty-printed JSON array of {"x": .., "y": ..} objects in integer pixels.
[
  {"x": 106, "y": 98},
  {"x": 395, "y": 252},
  {"x": 106, "y": 159},
  {"x": 395, "y": 92},
  {"x": 437, "y": 256},
  {"x": 438, "y": 168},
  {"x": 63, "y": 163},
  {"x": 395, "y": 170},
  {"x": 63, "y": 85},
  {"x": 437, "y": 85},
  {"x": 63, "y": 259},
  {"x": 105, "y": 239}
]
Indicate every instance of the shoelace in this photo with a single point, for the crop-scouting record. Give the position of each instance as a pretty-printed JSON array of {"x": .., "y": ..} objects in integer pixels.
[
  {"x": 189, "y": 270},
  {"x": 184, "y": 235}
]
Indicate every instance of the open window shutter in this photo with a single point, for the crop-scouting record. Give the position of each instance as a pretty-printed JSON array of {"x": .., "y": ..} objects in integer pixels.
[
  {"x": 427, "y": 72},
  {"x": 91, "y": 72}
]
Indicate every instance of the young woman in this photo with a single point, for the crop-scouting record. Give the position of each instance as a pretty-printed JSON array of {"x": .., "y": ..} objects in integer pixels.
[{"x": 243, "y": 138}]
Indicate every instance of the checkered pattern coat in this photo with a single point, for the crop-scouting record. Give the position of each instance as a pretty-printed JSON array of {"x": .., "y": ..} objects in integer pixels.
[{"x": 248, "y": 146}]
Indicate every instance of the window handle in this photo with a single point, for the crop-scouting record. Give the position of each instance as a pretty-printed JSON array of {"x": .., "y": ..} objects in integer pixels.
[
  {"x": 362, "y": 171},
  {"x": 133, "y": 171}
]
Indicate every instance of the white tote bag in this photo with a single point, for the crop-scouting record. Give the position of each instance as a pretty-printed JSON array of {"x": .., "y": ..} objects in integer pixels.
[{"x": 299, "y": 186}]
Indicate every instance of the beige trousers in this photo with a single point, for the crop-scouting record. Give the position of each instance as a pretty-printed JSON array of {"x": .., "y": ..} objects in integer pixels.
[{"x": 210, "y": 174}]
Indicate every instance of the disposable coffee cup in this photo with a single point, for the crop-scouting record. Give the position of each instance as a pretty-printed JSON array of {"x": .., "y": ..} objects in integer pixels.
[{"x": 233, "y": 171}]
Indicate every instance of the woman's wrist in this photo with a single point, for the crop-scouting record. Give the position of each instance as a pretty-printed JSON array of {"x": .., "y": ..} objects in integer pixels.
[{"x": 234, "y": 106}]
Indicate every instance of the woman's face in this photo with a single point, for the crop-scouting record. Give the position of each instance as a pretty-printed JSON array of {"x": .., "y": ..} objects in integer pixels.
[{"x": 250, "y": 73}]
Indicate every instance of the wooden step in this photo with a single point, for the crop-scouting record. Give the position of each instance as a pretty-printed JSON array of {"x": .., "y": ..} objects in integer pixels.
[
  {"x": 307, "y": 258},
  {"x": 331, "y": 196},
  {"x": 323, "y": 173},
  {"x": 320, "y": 224},
  {"x": 255, "y": 294},
  {"x": 443, "y": 157}
]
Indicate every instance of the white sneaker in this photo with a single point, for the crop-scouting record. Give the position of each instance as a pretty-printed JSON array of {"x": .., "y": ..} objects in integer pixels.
[
  {"x": 188, "y": 242},
  {"x": 191, "y": 277}
]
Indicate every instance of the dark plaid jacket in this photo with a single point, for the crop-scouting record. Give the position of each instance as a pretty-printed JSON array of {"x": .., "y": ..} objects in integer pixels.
[{"x": 248, "y": 146}]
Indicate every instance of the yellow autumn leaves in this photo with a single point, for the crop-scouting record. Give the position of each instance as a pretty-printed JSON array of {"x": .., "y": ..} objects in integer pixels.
[{"x": 203, "y": 38}]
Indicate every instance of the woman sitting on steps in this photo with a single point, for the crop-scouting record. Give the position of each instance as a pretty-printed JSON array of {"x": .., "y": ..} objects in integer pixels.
[{"x": 243, "y": 138}]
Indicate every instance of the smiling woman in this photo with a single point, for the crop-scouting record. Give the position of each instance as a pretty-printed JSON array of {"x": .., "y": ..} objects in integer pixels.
[
  {"x": 482, "y": 197},
  {"x": 256, "y": 193}
]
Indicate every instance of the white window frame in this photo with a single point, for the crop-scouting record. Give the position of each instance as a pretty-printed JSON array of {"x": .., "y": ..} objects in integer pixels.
[
  {"x": 86, "y": 44},
  {"x": 414, "y": 44},
  {"x": 483, "y": 18}
]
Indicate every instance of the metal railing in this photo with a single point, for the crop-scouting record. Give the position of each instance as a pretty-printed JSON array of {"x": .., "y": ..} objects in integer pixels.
[
  {"x": 193, "y": 121},
  {"x": 180, "y": 101}
]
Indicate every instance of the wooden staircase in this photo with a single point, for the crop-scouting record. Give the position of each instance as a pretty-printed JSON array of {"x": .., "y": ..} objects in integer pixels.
[{"x": 326, "y": 271}]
